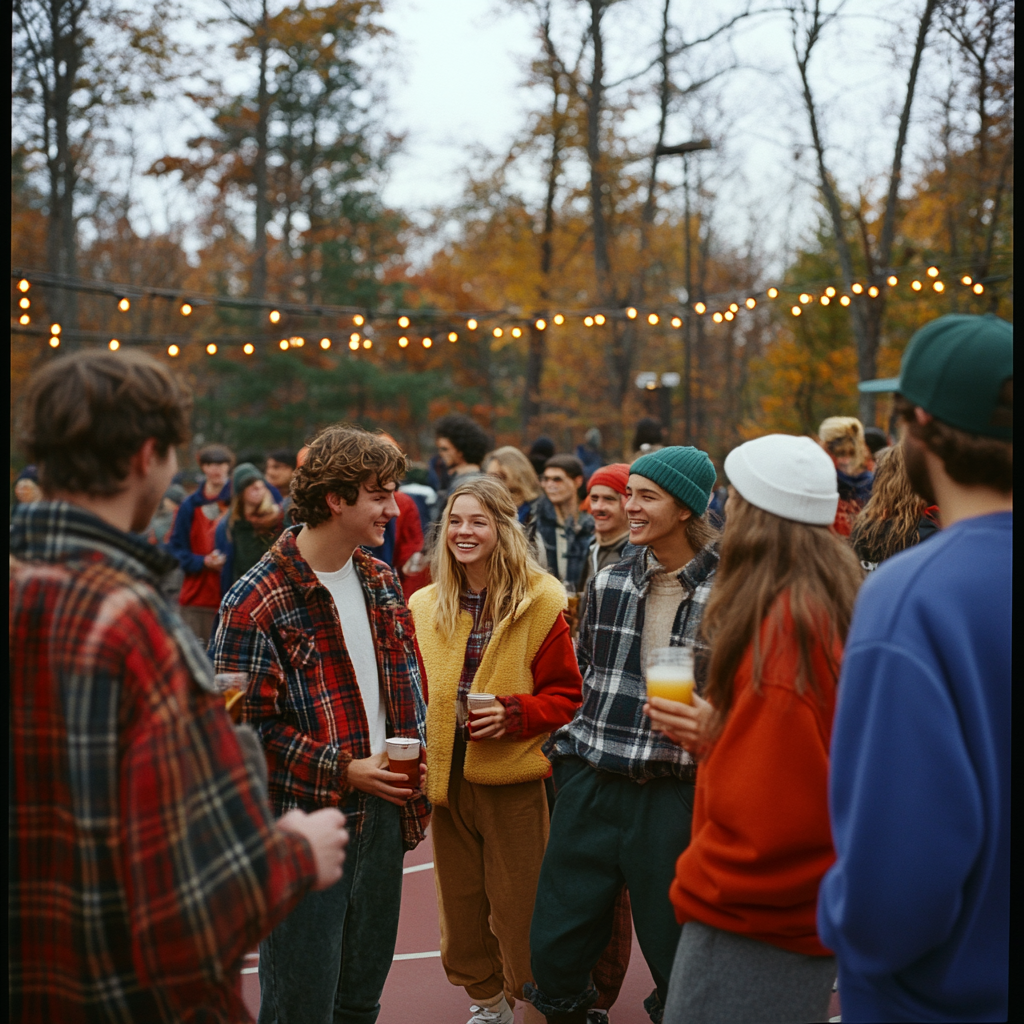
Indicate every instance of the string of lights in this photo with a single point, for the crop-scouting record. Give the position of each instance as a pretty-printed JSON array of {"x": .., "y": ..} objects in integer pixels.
[{"x": 433, "y": 324}]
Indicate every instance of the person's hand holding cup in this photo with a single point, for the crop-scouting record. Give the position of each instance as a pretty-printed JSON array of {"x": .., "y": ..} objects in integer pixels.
[
  {"x": 486, "y": 716},
  {"x": 672, "y": 706}
]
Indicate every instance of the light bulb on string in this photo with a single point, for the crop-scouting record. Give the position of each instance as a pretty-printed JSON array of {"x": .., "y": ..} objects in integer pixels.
[
  {"x": 296, "y": 342},
  {"x": 773, "y": 293},
  {"x": 452, "y": 336},
  {"x": 978, "y": 288},
  {"x": 24, "y": 319},
  {"x": 54, "y": 341},
  {"x": 403, "y": 342},
  {"x": 844, "y": 300},
  {"x": 325, "y": 343},
  {"x": 825, "y": 300},
  {"x": 873, "y": 292},
  {"x": 113, "y": 344},
  {"x": 805, "y": 298},
  {"x": 283, "y": 344},
  {"x": 967, "y": 279},
  {"x": 517, "y": 332},
  {"x": 367, "y": 343},
  {"x": 892, "y": 280},
  {"x": 55, "y": 328},
  {"x": 211, "y": 349},
  {"x": 599, "y": 319},
  {"x": 497, "y": 332},
  {"x": 23, "y": 285},
  {"x": 933, "y": 271},
  {"x": 699, "y": 308},
  {"x": 733, "y": 308},
  {"x": 353, "y": 343},
  {"x": 359, "y": 320},
  {"x": 830, "y": 292},
  {"x": 124, "y": 305},
  {"x": 729, "y": 314},
  {"x": 403, "y": 321},
  {"x": 652, "y": 318},
  {"x": 588, "y": 321},
  {"x": 717, "y": 317},
  {"x": 275, "y": 316},
  {"x": 471, "y": 324},
  {"x": 856, "y": 288},
  {"x": 24, "y": 302},
  {"x": 248, "y": 348},
  {"x": 939, "y": 286},
  {"x": 750, "y": 303},
  {"x": 676, "y": 322},
  {"x": 631, "y": 313},
  {"x": 186, "y": 309},
  {"x": 916, "y": 285},
  {"x": 354, "y": 337},
  {"x": 427, "y": 342},
  {"x": 796, "y": 310},
  {"x": 173, "y": 350},
  {"x": 540, "y": 325},
  {"x": 559, "y": 319}
]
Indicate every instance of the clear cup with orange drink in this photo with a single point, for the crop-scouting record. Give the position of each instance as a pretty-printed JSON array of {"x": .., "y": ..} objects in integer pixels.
[{"x": 670, "y": 674}]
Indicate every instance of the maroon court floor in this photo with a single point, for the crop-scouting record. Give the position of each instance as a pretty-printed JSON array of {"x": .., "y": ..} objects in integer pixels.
[{"x": 417, "y": 979}]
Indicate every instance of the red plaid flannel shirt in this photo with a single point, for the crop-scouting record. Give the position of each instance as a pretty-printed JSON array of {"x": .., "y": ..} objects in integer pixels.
[
  {"x": 144, "y": 862},
  {"x": 279, "y": 625}
]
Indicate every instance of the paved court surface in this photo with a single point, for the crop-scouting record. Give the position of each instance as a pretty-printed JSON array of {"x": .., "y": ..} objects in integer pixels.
[{"x": 417, "y": 989}]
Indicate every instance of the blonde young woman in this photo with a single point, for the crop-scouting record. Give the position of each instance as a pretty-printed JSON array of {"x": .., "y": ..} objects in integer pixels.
[
  {"x": 513, "y": 469},
  {"x": 491, "y": 622}
]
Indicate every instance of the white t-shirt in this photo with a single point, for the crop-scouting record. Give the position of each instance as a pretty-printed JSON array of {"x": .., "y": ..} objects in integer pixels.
[{"x": 349, "y": 599}]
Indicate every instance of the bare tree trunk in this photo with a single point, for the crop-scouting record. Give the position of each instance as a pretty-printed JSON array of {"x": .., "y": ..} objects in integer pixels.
[
  {"x": 258, "y": 279},
  {"x": 595, "y": 105}
]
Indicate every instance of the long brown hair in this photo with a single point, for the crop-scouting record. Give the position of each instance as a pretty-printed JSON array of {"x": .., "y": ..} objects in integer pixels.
[
  {"x": 511, "y": 568},
  {"x": 516, "y": 472},
  {"x": 764, "y": 557},
  {"x": 888, "y": 522}
]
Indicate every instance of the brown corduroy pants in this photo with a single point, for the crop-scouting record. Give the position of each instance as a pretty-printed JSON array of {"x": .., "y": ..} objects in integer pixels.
[{"x": 488, "y": 846}]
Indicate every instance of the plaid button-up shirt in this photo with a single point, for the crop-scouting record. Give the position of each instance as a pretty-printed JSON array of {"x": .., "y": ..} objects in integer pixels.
[
  {"x": 144, "y": 862},
  {"x": 279, "y": 625},
  {"x": 610, "y": 731}
]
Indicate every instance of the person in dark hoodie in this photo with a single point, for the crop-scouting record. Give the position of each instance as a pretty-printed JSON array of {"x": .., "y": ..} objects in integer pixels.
[
  {"x": 192, "y": 541},
  {"x": 843, "y": 438},
  {"x": 253, "y": 522},
  {"x": 540, "y": 451},
  {"x": 894, "y": 518}
]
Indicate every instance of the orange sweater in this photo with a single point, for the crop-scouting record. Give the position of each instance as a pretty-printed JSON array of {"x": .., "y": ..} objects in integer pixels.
[{"x": 761, "y": 837}]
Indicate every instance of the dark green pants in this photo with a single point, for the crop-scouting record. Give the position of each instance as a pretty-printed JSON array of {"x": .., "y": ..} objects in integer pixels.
[{"x": 606, "y": 830}]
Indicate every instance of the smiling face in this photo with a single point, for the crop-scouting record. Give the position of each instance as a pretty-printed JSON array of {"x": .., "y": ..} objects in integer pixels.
[
  {"x": 279, "y": 474},
  {"x": 653, "y": 514},
  {"x": 471, "y": 532},
  {"x": 364, "y": 522},
  {"x": 608, "y": 508}
]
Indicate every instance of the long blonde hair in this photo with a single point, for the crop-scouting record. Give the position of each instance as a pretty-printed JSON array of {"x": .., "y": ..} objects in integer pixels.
[
  {"x": 763, "y": 557},
  {"x": 511, "y": 567},
  {"x": 888, "y": 522},
  {"x": 517, "y": 473}
]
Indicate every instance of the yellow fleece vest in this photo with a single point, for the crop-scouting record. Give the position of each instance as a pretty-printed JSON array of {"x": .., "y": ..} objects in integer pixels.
[{"x": 504, "y": 670}]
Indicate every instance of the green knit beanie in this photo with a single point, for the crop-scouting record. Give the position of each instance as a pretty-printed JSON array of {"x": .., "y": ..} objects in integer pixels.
[
  {"x": 244, "y": 475},
  {"x": 686, "y": 473}
]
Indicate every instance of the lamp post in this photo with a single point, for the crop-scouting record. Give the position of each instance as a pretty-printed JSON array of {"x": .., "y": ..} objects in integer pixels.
[
  {"x": 662, "y": 386},
  {"x": 684, "y": 149}
]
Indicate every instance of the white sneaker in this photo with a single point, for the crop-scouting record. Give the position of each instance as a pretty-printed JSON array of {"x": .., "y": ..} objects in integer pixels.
[{"x": 499, "y": 1013}]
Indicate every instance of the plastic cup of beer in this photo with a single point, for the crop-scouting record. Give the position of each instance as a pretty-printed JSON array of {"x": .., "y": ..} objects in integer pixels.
[
  {"x": 404, "y": 759},
  {"x": 670, "y": 674},
  {"x": 478, "y": 702}
]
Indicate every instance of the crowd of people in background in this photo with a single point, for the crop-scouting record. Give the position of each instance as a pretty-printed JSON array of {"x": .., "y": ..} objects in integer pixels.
[{"x": 827, "y": 809}]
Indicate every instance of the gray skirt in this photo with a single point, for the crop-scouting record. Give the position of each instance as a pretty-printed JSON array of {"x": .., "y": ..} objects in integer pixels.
[{"x": 720, "y": 977}]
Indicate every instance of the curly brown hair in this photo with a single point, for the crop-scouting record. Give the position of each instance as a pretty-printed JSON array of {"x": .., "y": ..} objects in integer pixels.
[
  {"x": 889, "y": 521},
  {"x": 85, "y": 415},
  {"x": 969, "y": 459},
  {"x": 339, "y": 461}
]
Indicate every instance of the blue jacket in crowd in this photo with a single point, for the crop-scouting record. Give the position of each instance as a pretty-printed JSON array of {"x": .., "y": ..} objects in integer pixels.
[{"x": 917, "y": 904}]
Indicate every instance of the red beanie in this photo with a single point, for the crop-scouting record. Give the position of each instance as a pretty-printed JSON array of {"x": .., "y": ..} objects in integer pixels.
[{"x": 614, "y": 476}]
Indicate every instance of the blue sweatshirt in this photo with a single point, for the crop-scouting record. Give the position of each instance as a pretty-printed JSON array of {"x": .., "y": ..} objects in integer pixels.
[{"x": 917, "y": 904}]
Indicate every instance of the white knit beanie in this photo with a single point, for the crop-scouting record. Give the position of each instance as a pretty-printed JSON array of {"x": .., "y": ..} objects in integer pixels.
[{"x": 791, "y": 477}]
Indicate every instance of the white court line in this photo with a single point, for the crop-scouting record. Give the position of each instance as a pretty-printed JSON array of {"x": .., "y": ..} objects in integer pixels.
[
  {"x": 416, "y": 956},
  {"x": 418, "y": 867}
]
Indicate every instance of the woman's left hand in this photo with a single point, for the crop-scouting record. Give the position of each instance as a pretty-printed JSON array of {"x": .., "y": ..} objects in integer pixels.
[{"x": 488, "y": 724}]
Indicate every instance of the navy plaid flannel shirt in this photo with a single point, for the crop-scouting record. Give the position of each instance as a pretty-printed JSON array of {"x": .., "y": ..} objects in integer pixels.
[{"x": 610, "y": 731}]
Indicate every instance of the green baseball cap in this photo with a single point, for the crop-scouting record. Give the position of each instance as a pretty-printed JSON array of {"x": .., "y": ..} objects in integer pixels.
[{"x": 954, "y": 368}]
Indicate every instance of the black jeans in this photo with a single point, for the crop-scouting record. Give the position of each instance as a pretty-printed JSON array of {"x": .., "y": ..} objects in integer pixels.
[{"x": 327, "y": 962}]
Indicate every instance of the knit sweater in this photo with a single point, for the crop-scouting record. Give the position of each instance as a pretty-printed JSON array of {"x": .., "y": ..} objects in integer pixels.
[
  {"x": 528, "y": 651},
  {"x": 761, "y": 838}
]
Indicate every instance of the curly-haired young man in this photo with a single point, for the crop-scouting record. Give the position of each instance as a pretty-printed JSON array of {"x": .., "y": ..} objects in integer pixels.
[
  {"x": 144, "y": 861},
  {"x": 321, "y": 629},
  {"x": 462, "y": 445},
  {"x": 917, "y": 904}
]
